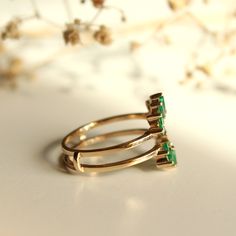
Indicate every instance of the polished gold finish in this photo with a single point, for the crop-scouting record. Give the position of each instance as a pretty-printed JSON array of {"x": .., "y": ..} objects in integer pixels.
[
  {"x": 74, "y": 152},
  {"x": 73, "y": 145},
  {"x": 74, "y": 164}
]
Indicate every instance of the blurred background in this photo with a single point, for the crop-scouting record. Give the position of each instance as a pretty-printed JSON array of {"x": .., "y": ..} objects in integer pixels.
[{"x": 64, "y": 63}]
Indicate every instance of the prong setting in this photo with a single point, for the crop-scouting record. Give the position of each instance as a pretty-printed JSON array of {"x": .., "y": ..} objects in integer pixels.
[{"x": 166, "y": 155}]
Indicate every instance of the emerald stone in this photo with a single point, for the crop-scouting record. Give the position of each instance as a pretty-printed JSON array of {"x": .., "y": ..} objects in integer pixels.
[
  {"x": 161, "y": 122},
  {"x": 162, "y": 106},
  {"x": 171, "y": 155},
  {"x": 161, "y": 109}
]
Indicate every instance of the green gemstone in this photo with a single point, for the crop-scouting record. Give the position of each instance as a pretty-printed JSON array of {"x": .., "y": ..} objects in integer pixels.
[
  {"x": 166, "y": 146},
  {"x": 171, "y": 156},
  {"x": 162, "y": 106},
  {"x": 161, "y": 122}
]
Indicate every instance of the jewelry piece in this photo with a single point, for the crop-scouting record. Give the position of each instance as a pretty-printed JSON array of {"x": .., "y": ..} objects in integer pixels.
[
  {"x": 156, "y": 114},
  {"x": 73, "y": 165},
  {"x": 163, "y": 150}
]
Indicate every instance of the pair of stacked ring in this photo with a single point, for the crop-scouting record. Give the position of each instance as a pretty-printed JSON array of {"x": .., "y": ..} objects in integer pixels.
[{"x": 163, "y": 150}]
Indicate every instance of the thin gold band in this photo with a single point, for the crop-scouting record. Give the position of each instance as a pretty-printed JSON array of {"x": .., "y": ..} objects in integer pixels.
[
  {"x": 162, "y": 150},
  {"x": 81, "y": 132},
  {"x": 74, "y": 153},
  {"x": 72, "y": 163}
]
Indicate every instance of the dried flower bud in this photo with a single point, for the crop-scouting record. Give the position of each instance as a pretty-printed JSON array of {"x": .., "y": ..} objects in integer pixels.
[
  {"x": 13, "y": 70},
  {"x": 199, "y": 85},
  {"x": 206, "y": 1},
  {"x": 123, "y": 18},
  {"x": 206, "y": 69},
  {"x": 177, "y": 4},
  {"x": 103, "y": 35},
  {"x": 11, "y": 30},
  {"x": 189, "y": 74},
  {"x": 77, "y": 21},
  {"x": 71, "y": 35},
  {"x": 2, "y": 48},
  {"x": 134, "y": 45},
  {"x": 15, "y": 67},
  {"x": 98, "y": 3}
]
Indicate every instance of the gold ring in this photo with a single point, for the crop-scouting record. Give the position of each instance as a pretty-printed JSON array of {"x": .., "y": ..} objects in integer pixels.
[{"x": 163, "y": 150}]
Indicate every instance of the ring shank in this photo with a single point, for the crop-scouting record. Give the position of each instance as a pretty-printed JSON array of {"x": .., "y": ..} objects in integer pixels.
[
  {"x": 80, "y": 133},
  {"x": 74, "y": 152},
  {"x": 115, "y": 165}
]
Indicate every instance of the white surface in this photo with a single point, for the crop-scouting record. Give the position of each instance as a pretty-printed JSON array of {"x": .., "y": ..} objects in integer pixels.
[
  {"x": 197, "y": 198},
  {"x": 39, "y": 198}
]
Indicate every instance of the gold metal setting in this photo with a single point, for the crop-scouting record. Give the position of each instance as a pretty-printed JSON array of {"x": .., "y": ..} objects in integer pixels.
[{"x": 74, "y": 143}]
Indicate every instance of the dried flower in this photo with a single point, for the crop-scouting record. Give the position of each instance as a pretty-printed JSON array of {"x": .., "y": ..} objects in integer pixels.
[
  {"x": 2, "y": 48},
  {"x": 123, "y": 18},
  {"x": 199, "y": 85},
  {"x": 177, "y": 4},
  {"x": 98, "y": 3},
  {"x": 77, "y": 21},
  {"x": 14, "y": 69},
  {"x": 134, "y": 45},
  {"x": 11, "y": 30},
  {"x": 189, "y": 75},
  {"x": 205, "y": 1},
  {"x": 103, "y": 35},
  {"x": 206, "y": 69},
  {"x": 71, "y": 35}
]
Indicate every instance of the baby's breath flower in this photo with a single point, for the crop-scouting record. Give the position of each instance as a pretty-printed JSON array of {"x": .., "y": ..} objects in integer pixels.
[
  {"x": 77, "y": 21},
  {"x": 10, "y": 73},
  {"x": 2, "y": 48},
  {"x": 15, "y": 67},
  {"x": 177, "y": 4},
  {"x": 71, "y": 35},
  {"x": 98, "y": 3},
  {"x": 11, "y": 30},
  {"x": 206, "y": 69},
  {"x": 134, "y": 45},
  {"x": 103, "y": 35}
]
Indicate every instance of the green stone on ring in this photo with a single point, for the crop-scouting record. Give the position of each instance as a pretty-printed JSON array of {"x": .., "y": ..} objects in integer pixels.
[
  {"x": 162, "y": 106},
  {"x": 161, "y": 123},
  {"x": 171, "y": 155}
]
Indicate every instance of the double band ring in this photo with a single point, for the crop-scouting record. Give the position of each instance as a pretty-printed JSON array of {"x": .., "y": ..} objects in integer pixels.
[{"x": 73, "y": 145}]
